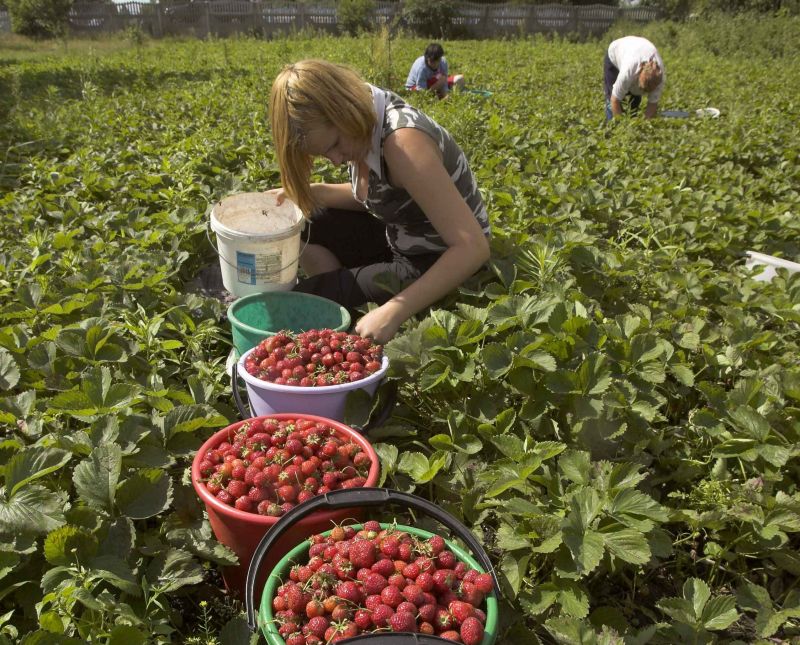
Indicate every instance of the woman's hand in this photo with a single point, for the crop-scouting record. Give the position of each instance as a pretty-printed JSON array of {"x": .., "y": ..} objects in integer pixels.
[
  {"x": 278, "y": 193},
  {"x": 381, "y": 324}
]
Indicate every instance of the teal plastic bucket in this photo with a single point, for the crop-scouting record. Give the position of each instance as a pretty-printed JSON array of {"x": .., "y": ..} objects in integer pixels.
[
  {"x": 362, "y": 498},
  {"x": 259, "y": 315}
]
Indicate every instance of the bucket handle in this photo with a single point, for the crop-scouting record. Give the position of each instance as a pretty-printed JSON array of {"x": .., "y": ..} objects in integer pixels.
[
  {"x": 359, "y": 497},
  {"x": 246, "y": 412},
  {"x": 234, "y": 266}
]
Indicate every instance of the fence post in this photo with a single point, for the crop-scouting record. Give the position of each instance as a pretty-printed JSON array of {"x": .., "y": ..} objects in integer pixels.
[
  {"x": 207, "y": 4},
  {"x": 531, "y": 20},
  {"x": 159, "y": 24},
  {"x": 301, "y": 16},
  {"x": 485, "y": 20}
]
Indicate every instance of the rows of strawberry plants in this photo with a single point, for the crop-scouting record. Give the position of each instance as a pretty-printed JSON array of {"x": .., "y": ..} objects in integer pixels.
[{"x": 612, "y": 405}]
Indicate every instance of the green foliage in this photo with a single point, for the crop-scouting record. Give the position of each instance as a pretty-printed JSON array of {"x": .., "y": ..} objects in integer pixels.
[
  {"x": 39, "y": 18},
  {"x": 612, "y": 405},
  {"x": 718, "y": 34},
  {"x": 353, "y": 16},
  {"x": 431, "y": 18}
]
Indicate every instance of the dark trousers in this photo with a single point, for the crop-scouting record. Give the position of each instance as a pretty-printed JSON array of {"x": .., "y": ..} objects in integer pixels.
[{"x": 372, "y": 271}]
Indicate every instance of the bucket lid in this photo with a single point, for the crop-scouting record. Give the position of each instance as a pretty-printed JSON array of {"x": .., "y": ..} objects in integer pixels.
[{"x": 255, "y": 214}]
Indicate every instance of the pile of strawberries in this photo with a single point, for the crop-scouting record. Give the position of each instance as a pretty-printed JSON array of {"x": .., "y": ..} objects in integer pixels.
[
  {"x": 380, "y": 579},
  {"x": 269, "y": 465},
  {"x": 314, "y": 358}
]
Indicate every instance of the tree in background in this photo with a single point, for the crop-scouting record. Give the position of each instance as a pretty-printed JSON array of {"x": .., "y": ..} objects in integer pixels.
[
  {"x": 679, "y": 9},
  {"x": 353, "y": 16},
  {"x": 431, "y": 18},
  {"x": 39, "y": 18}
]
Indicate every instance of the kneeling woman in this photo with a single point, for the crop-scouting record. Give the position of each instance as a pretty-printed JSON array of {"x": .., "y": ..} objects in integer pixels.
[{"x": 411, "y": 210}]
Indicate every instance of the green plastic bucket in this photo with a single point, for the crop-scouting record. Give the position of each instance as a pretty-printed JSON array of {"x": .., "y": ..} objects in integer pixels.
[
  {"x": 364, "y": 497},
  {"x": 259, "y": 315}
]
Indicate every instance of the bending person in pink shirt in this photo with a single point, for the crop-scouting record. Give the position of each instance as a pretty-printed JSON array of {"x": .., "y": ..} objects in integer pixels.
[{"x": 631, "y": 69}]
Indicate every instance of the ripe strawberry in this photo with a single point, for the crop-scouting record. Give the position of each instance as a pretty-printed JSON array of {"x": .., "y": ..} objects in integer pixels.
[
  {"x": 405, "y": 552},
  {"x": 373, "y": 602},
  {"x": 317, "y": 626},
  {"x": 403, "y": 622},
  {"x": 471, "y": 631},
  {"x": 257, "y": 495},
  {"x": 384, "y": 567},
  {"x": 427, "y": 613},
  {"x": 237, "y": 488},
  {"x": 460, "y": 610},
  {"x": 381, "y": 615},
  {"x": 296, "y": 638},
  {"x": 296, "y": 600},
  {"x": 374, "y": 583},
  {"x": 443, "y": 580},
  {"x": 436, "y": 544},
  {"x": 350, "y": 591},
  {"x": 470, "y": 576},
  {"x": 470, "y": 593},
  {"x": 485, "y": 583},
  {"x": 304, "y": 496},
  {"x": 425, "y": 581},
  {"x": 391, "y": 596},
  {"x": 362, "y": 553},
  {"x": 397, "y": 580},
  {"x": 363, "y": 619},
  {"x": 244, "y": 503},
  {"x": 451, "y": 635},
  {"x": 426, "y": 628},
  {"x": 411, "y": 571},
  {"x": 413, "y": 593},
  {"x": 446, "y": 560}
]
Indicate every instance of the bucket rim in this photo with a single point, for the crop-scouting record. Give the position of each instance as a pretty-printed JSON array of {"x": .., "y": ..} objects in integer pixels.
[
  {"x": 264, "y": 520},
  {"x": 274, "y": 578},
  {"x": 318, "y": 391},
  {"x": 240, "y": 302},
  {"x": 221, "y": 229}
]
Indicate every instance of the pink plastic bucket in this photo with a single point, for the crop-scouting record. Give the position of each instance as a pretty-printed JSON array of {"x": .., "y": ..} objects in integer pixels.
[{"x": 325, "y": 401}]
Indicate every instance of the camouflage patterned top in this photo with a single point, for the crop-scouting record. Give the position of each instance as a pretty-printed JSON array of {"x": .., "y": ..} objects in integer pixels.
[{"x": 408, "y": 230}]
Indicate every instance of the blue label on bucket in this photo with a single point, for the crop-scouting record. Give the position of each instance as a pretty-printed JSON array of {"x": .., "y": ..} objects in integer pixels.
[{"x": 246, "y": 267}]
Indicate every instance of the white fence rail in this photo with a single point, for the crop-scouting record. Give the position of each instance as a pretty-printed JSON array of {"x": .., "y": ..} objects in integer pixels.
[{"x": 269, "y": 18}]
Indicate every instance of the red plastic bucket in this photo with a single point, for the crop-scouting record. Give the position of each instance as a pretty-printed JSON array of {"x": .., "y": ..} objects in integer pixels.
[{"x": 241, "y": 531}]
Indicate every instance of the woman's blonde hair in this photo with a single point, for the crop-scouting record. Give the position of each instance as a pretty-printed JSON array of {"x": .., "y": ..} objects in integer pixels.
[
  {"x": 650, "y": 75},
  {"x": 311, "y": 94}
]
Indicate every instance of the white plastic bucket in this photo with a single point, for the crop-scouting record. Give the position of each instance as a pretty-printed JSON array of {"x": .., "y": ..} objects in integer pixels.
[
  {"x": 258, "y": 242},
  {"x": 770, "y": 263}
]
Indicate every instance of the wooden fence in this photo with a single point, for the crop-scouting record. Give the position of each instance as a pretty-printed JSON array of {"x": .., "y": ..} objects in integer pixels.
[{"x": 267, "y": 19}]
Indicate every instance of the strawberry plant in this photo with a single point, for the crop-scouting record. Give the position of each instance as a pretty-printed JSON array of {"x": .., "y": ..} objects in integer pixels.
[{"x": 611, "y": 405}]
